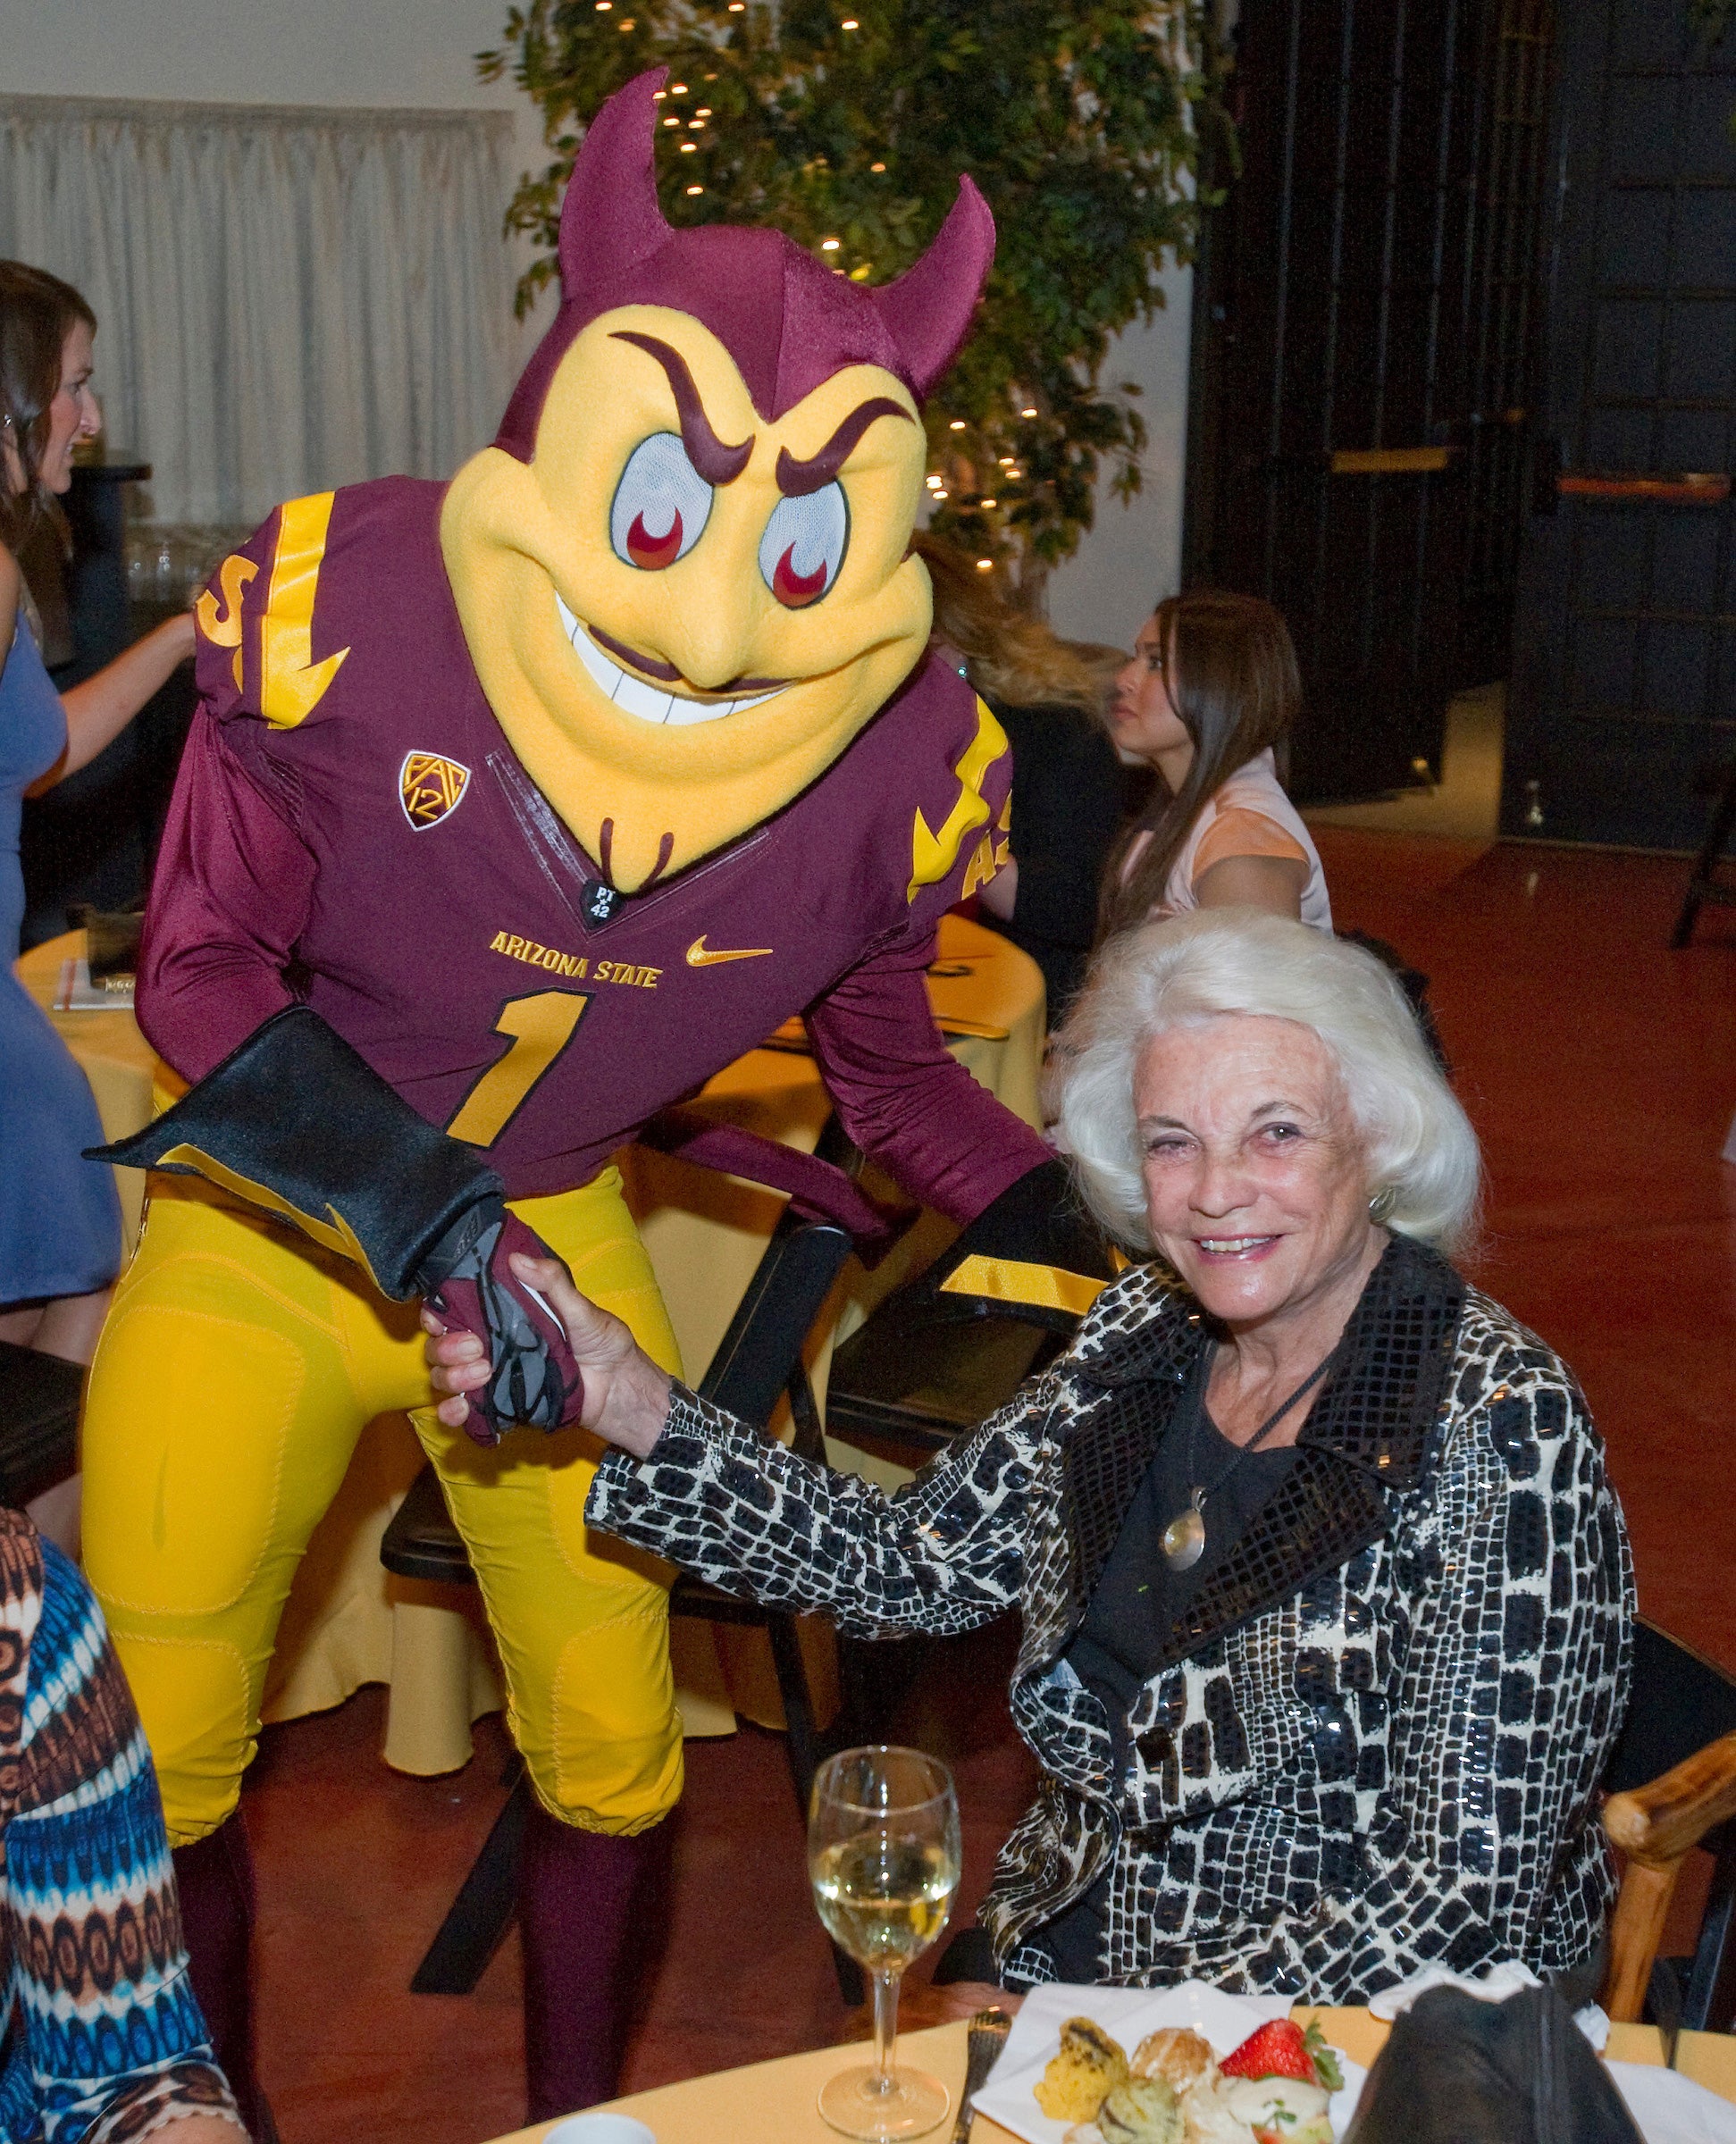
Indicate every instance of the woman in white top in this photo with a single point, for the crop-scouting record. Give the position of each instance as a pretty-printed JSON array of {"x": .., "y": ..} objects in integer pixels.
[{"x": 1212, "y": 687}]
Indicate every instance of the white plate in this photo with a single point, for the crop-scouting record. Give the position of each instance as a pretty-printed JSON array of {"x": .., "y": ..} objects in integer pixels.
[
  {"x": 1673, "y": 2109},
  {"x": 1129, "y": 2013}
]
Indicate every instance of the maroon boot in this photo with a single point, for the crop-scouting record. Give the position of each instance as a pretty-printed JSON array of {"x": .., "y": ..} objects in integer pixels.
[
  {"x": 214, "y": 1879},
  {"x": 592, "y": 1908}
]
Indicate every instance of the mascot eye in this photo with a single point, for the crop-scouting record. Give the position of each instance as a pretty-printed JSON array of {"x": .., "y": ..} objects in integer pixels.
[
  {"x": 661, "y": 505},
  {"x": 803, "y": 546}
]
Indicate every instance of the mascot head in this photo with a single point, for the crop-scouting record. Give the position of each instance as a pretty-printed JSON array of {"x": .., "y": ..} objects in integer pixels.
[{"x": 682, "y": 568}]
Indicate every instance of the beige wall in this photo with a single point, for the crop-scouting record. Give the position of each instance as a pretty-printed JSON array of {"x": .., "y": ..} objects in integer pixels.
[
  {"x": 414, "y": 52},
  {"x": 1132, "y": 557}
]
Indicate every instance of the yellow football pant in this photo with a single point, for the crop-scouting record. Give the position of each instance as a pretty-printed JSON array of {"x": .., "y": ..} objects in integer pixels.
[{"x": 237, "y": 1370}]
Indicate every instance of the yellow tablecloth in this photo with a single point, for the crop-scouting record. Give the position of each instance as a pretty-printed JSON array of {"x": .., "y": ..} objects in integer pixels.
[
  {"x": 775, "y": 2100},
  {"x": 348, "y": 1622}
]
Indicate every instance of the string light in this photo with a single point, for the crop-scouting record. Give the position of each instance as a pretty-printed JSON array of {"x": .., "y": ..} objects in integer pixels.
[
  {"x": 876, "y": 167},
  {"x": 695, "y": 126},
  {"x": 985, "y": 566},
  {"x": 696, "y": 190},
  {"x": 677, "y": 88},
  {"x": 672, "y": 122},
  {"x": 850, "y": 22},
  {"x": 932, "y": 483},
  {"x": 737, "y": 7},
  {"x": 956, "y": 426},
  {"x": 689, "y": 148},
  {"x": 940, "y": 495},
  {"x": 988, "y": 503},
  {"x": 657, "y": 96},
  {"x": 1028, "y": 413},
  {"x": 603, "y": 6},
  {"x": 1006, "y": 461},
  {"x": 829, "y": 245},
  {"x": 704, "y": 112}
]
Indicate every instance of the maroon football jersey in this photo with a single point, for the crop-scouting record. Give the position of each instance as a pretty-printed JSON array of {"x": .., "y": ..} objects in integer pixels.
[{"x": 384, "y": 858}]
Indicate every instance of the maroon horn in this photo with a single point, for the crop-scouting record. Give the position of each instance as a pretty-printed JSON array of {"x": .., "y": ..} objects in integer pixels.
[
  {"x": 610, "y": 221},
  {"x": 927, "y": 311}
]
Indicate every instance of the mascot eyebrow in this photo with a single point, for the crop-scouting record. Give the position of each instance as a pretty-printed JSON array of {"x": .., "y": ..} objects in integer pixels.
[
  {"x": 715, "y": 462},
  {"x": 796, "y": 479},
  {"x": 719, "y": 464}
]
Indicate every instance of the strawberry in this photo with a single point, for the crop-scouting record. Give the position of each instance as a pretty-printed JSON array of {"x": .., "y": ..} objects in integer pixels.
[
  {"x": 1283, "y": 2049},
  {"x": 1277, "y": 2049}
]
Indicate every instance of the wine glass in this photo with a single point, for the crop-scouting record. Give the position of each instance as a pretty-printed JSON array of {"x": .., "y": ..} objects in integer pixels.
[{"x": 883, "y": 1858}]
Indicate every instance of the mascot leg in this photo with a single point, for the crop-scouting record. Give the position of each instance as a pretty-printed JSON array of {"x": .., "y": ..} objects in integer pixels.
[
  {"x": 582, "y": 1627},
  {"x": 235, "y": 1373}
]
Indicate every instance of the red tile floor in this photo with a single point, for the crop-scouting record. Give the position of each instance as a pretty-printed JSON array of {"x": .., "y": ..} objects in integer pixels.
[{"x": 1600, "y": 1070}]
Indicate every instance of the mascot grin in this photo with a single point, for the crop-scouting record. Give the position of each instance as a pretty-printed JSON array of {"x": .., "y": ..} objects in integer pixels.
[{"x": 683, "y": 569}]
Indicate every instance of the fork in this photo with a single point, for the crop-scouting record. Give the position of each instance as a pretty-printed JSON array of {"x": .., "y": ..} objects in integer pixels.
[{"x": 988, "y": 2036}]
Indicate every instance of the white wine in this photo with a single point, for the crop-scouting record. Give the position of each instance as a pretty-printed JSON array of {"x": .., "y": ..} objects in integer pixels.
[{"x": 884, "y": 1901}]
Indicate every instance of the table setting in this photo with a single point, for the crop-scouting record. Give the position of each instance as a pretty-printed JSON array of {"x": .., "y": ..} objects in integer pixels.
[{"x": 1205, "y": 2066}]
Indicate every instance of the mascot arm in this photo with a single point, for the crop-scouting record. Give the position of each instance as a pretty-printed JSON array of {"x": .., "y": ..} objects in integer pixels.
[
  {"x": 298, "y": 1123},
  {"x": 1027, "y": 1249},
  {"x": 229, "y": 898},
  {"x": 903, "y": 1097}
]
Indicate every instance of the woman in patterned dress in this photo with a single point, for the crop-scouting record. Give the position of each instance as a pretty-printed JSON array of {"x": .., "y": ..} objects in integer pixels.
[
  {"x": 1326, "y": 1595},
  {"x": 101, "y": 2036}
]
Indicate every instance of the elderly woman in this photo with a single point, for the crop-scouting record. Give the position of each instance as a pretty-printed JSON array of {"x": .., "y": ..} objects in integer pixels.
[{"x": 1326, "y": 1595}]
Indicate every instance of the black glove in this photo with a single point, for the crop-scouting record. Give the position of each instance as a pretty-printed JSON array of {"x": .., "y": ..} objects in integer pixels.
[
  {"x": 534, "y": 1376},
  {"x": 295, "y": 1122}
]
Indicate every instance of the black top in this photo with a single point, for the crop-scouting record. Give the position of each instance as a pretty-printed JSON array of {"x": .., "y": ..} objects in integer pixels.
[
  {"x": 1129, "y": 1618},
  {"x": 1069, "y": 795}
]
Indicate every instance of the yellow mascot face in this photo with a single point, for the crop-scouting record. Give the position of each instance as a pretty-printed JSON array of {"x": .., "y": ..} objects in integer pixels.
[
  {"x": 680, "y": 613},
  {"x": 683, "y": 567}
]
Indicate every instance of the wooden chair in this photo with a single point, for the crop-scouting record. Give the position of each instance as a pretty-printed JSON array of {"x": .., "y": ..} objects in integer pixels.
[
  {"x": 1672, "y": 1787},
  {"x": 757, "y": 1361}
]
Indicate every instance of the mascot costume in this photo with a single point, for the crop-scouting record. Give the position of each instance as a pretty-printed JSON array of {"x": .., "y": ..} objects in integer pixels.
[{"x": 514, "y": 808}]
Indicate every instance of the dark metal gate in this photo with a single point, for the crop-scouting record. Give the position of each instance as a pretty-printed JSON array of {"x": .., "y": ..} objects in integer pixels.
[
  {"x": 1624, "y": 679},
  {"x": 1361, "y": 410}
]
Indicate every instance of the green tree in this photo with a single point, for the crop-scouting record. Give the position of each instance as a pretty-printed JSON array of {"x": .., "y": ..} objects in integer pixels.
[{"x": 847, "y": 127}]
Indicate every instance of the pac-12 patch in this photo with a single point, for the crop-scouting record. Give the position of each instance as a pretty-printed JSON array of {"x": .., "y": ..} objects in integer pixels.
[{"x": 430, "y": 787}]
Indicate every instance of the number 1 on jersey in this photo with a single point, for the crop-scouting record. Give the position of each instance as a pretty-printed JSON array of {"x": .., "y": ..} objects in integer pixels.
[{"x": 541, "y": 1027}]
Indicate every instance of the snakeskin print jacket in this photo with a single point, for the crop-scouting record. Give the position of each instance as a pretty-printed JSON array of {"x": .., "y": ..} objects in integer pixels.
[{"x": 1373, "y": 1739}]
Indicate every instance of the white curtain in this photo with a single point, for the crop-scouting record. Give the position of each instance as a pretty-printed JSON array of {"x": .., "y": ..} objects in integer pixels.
[{"x": 286, "y": 300}]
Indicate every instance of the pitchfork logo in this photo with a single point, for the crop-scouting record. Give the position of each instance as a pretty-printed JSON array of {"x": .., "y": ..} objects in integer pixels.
[{"x": 430, "y": 787}]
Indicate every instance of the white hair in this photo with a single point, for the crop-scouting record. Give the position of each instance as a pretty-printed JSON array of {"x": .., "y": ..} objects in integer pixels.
[{"x": 1420, "y": 1152}]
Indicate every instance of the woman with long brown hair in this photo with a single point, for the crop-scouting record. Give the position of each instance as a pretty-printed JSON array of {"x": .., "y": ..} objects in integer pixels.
[
  {"x": 60, "y": 1223},
  {"x": 1211, "y": 689}
]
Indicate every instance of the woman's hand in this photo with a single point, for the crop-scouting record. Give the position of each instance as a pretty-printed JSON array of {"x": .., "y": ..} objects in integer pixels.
[{"x": 626, "y": 1396}]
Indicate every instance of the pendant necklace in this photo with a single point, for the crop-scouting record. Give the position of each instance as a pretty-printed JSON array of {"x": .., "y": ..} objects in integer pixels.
[{"x": 1183, "y": 1538}]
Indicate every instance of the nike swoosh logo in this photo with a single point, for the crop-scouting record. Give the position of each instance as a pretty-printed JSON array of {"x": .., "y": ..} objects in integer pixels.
[{"x": 699, "y": 955}]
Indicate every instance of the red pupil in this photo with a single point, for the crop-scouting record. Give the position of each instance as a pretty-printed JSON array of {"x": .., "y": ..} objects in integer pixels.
[
  {"x": 794, "y": 589},
  {"x": 652, "y": 552}
]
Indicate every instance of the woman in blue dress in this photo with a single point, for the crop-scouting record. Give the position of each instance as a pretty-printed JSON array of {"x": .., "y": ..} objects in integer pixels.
[{"x": 60, "y": 1224}]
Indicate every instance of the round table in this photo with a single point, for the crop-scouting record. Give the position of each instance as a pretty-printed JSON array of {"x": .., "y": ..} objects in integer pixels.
[
  {"x": 776, "y": 2098},
  {"x": 348, "y": 1621}
]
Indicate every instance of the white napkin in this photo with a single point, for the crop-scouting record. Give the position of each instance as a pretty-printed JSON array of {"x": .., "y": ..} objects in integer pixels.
[{"x": 1494, "y": 1986}]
